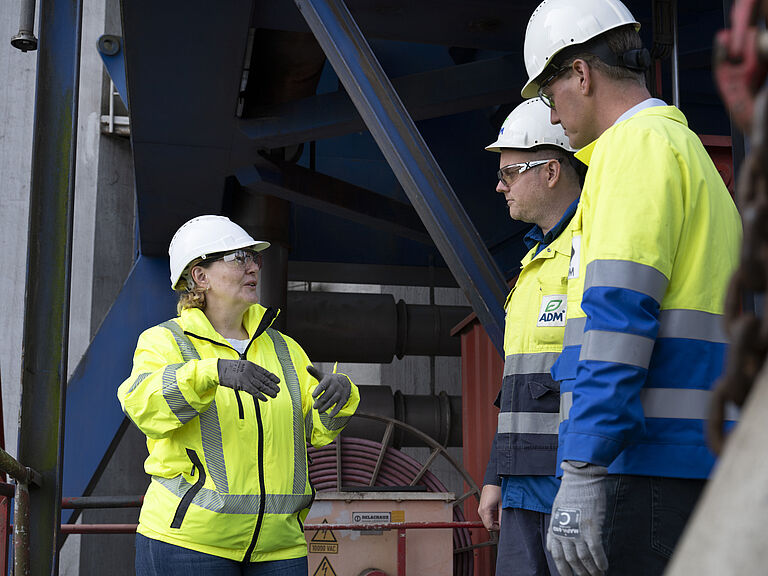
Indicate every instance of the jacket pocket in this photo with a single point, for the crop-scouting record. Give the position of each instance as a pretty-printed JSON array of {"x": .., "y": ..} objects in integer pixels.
[{"x": 190, "y": 494}]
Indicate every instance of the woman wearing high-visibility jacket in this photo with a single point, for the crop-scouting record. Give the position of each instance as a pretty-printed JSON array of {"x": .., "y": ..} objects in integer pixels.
[
  {"x": 227, "y": 406},
  {"x": 656, "y": 238}
]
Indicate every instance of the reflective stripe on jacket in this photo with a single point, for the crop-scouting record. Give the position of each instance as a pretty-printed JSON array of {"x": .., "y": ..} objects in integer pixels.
[
  {"x": 229, "y": 473},
  {"x": 526, "y": 436},
  {"x": 655, "y": 240}
]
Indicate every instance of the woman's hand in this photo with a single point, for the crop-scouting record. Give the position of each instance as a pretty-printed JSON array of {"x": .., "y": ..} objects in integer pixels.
[
  {"x": 249, "y": 377},
  {"x": 335, "y": 389}
]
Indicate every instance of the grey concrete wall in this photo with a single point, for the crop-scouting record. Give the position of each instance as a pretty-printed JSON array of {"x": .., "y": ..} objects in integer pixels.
[{"x": 17, "y": 90}]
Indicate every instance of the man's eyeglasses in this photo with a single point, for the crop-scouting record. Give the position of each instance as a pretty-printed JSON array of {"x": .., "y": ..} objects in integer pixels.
[
  {"x": 511, "y": 172},
  {"x": 239, "y": 258},
  {"x": 548, "y": 99}
]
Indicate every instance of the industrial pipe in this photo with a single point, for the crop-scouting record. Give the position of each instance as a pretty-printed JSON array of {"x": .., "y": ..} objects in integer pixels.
[
  {"x": 438, "y": 416},
  {"x": 25, "y": 40},
  {"x": 370, "y": 328}
]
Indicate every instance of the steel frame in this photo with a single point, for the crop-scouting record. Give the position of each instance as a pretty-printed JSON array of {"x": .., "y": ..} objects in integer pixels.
[{"x": 410, "y": 159}]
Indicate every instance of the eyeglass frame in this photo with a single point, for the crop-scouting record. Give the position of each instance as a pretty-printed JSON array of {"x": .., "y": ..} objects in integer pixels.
[
  {"x": 548, "y": 100},
  {"x": 231, "y": 257},
  {"x": 524, "y": 167}
]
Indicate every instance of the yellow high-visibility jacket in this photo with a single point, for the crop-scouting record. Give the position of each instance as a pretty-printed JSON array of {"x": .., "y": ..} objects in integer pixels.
[
  {"x": 655, "y": 239},
  {"x": 229, "y": 472}
]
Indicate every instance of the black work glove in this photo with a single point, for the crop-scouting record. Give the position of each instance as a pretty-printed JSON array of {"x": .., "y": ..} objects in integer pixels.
[
  {"x": 333, "y": 389},
  {"x": 249, "y": 377}
]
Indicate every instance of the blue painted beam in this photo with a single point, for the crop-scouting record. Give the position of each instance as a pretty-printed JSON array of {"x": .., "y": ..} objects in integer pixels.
[
  {"x": 426, "y": 95},
  {"x": 411, "y": 160},
  {"x": 110, "y": 49},
  {"x": 93, "y": 412}
]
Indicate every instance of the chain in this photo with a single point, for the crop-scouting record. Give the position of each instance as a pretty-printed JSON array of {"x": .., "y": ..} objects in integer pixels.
[{"x": 747, "y": 327}]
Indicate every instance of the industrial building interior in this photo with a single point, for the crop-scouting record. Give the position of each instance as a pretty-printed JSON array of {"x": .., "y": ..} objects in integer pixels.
[{"x": 391, "y": 252}]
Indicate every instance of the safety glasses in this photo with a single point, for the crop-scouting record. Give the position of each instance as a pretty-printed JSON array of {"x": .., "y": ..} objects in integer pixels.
[
  {"x": 511, "y": 172},
  {"x": 240, "y": 258},
  {"x": 546, "y": 97}
]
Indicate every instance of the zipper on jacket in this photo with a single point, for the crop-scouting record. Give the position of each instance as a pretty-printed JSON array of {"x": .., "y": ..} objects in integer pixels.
[
  {"x": 190, "y": 494},
  {"x": 262, "y": 483}
]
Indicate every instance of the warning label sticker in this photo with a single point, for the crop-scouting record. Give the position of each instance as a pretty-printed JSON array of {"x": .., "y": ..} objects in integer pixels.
[
  {"x": 324, "y": 569},
  {"x": 324, "y": 542}
]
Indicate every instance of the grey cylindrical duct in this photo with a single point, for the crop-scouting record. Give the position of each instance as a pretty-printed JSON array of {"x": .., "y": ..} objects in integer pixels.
[
  {"x": 438, "y": 416},
  {"x": 371, "y": 328}
]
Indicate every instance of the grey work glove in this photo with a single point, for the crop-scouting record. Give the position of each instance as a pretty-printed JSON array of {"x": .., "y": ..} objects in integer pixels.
[
  {"x": 575, "y": 537},
  {"x": 249, "y": 377},
  {"x": 333, "y": 389}
]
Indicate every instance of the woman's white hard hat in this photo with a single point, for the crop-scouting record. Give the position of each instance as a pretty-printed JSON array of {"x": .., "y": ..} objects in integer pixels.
[{"x": 203, "y": 236}]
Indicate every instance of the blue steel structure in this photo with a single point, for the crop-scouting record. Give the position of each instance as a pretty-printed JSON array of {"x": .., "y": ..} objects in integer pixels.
[
  {"x": 110, "y": 49},
  {"x": 457, "y": 67}
]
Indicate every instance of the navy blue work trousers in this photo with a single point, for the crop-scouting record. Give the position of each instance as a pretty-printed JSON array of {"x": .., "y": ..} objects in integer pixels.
[
  {"x": 156, "y": 558},
  {"x": 522, "y": 548}
]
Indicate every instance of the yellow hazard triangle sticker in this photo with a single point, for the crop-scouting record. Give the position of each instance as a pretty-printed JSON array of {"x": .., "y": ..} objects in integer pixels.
[{"x": 324, "y": 569}]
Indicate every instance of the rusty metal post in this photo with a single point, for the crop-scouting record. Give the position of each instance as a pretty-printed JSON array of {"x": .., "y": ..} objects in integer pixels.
[
  {"x": 21, "y": 566},
  {"x": 49, "y": 258}
]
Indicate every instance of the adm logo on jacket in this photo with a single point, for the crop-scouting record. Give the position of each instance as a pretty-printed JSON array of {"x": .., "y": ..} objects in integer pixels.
[{"x": 552, "y": 311}]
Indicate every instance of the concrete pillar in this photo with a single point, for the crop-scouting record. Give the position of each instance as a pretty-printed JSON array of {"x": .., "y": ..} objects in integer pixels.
[{"x": 726, "y": 535}]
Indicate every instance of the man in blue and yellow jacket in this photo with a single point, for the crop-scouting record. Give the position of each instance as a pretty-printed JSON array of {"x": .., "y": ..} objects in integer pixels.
[
  {"x": 540, "y": 181},
  {"x": 655, "y": 240}
]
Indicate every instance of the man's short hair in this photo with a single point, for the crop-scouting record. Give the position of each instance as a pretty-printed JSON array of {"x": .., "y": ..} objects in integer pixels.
[
  {"x": 572, "y": 167},
  {"x": 619, "y": 40}
]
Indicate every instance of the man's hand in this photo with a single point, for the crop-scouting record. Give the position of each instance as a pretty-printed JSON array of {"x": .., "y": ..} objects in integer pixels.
[
  {"x": 249, "y": 377},
  {"x": 489, "y": 508},
  {"x": 575, "y": 537},
  {"x": 333, "y": 389}
]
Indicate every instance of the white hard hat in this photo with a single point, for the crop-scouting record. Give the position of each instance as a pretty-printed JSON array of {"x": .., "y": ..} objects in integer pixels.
[
  {"x": 528, "y": 126},
  {"x": 203, "y": 236},
  {"x": 558, "y": 24}
]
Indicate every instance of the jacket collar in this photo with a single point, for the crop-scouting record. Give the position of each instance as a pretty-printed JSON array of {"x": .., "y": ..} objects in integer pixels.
[
  {"x": 194, "y": 320},
  {"x": 668, "y": 112}
]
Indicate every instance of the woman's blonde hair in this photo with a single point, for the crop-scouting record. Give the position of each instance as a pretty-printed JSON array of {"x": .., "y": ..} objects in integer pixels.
[{"x": 194, "y": 294}]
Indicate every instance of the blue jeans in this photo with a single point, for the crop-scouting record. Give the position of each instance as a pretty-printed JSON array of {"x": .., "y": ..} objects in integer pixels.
[
  {"x": 156, "y": 558},
  {"x": 645, "y": 516},
  {"x": 522, "y": 548}
]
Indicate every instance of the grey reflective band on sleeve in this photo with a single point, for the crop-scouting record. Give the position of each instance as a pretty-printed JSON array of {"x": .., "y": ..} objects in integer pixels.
[
  {"x": 532, "y": 363},
  {"x": 335, "y": 423},
  {"x": 617, "y": 347},
  {"x": 678, "y": 403},
  {"x": 210, "y": 427},
  {"x": 294, "y": 389},
  {"x": 692, "y": 324},
  {"x": 628, "y": 275},
  {"x": 139, "y": 379},
  {"x": 528, "y": 423},
  {"x": 173, "y": 396},
  {"x": 236, "y": 503}
]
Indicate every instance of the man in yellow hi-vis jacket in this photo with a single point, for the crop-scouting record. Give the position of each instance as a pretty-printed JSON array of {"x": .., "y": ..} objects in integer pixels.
[
  {"x": 540, "y": 180},
  {"x": 655, "y": 240},
  {"x": 227, "y": 404}
]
